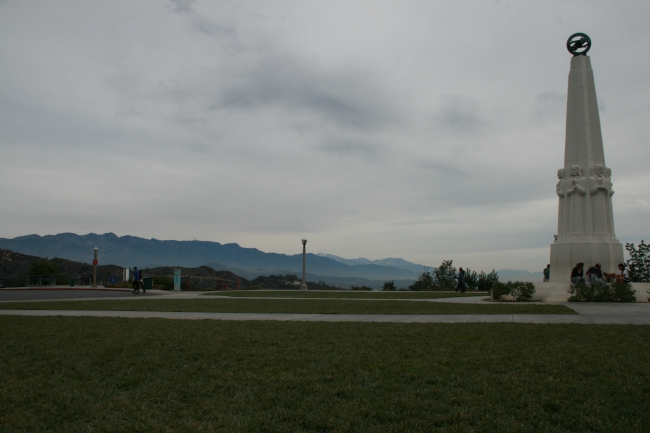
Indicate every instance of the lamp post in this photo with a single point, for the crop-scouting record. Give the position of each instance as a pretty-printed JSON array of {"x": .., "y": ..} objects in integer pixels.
[
  {"x": 95, "y": 268},
  {"x": 303, "y": 286}
]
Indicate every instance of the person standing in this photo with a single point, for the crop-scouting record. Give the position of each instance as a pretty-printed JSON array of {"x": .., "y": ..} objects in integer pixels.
[
  {"x": 547, "y": 273},
  {"x": 136, "y": 280},
  {"x": 460, "y": 287}
]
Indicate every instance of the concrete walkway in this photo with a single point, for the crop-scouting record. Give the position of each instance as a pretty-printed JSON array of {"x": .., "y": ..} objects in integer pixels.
[{"x": 588, "y": 314}]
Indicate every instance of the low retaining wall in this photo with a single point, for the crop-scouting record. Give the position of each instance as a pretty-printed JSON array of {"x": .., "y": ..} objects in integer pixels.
[{"x": 559, "y": 292}]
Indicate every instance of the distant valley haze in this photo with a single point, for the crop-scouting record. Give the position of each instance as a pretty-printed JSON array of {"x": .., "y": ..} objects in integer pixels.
[{"x": 129, "y": 251}]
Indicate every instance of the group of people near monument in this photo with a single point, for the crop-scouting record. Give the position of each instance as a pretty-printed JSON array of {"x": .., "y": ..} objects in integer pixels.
[{"x": 596, "y": 275}]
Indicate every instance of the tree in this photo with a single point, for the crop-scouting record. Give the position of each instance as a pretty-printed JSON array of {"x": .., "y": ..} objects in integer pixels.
[
  {"x": 471, "y": 279},
  {"x": 44, "y": 267},
  {"x": 486, "y": 281},
  {"x": 424, "y": 282},
  {"x": 638, "y": 266},
  {"x": 445, "y": 276},
  {"x": 389, "y": 286}
]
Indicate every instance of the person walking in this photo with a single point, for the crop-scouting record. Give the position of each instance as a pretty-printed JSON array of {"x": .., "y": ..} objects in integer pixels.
[
  {"x": 136, "y": 280},
  {"x": 142, "y": 283},
  {"x": 460, "y": 287},
  {"x": 547, "y": 273}
]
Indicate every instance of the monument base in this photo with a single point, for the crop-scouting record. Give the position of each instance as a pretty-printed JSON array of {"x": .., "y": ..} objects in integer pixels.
[
  {"x": 559, "y": 292},
  {"x": 565, "y": 255}
]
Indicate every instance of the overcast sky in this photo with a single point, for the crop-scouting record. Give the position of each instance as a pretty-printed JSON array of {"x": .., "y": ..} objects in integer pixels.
[{"x": 426, "y": 130}]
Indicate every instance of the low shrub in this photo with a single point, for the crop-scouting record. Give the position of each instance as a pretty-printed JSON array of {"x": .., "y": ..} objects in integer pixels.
[
  {"x": 389, "y": 286},
  {"x": 499, "y": 291},
  {"x": 365, "y": 288},
  {"x": 517, "y": 290},
  {"x": 615, "y": 292}
]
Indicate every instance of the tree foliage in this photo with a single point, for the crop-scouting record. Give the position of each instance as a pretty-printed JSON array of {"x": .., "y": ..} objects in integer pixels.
[
  {"x": 44, "y": 267},
  {"x": 445, "y": 276},
  {"x": 389, "y": 286},
  {"x": 424, "y": 282},
  {"x": 486, "y": 281},
  {"x": 638, "y": 266},
  {"x": 471, "y": 279}
]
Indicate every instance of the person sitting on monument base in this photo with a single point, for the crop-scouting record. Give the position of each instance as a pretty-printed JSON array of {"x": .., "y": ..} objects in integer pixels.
[
  {"x": 577, "y": 274},
  {"x": 595, "y": 274},
  {"x": 620, "y": 276}
]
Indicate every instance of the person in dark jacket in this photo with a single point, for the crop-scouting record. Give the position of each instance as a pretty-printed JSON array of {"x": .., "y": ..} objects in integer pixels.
[
  {"x": 595, "y": 274},
  {"x": 577, "y": 275},
  {"x": 136, "y": 280},
  {"x": 460, "y": 287}
]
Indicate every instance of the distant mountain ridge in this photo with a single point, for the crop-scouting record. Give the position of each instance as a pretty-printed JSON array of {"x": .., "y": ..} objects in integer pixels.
[
  {"x": 129, "y": 251},
  {"x": 390, "y": 261}
]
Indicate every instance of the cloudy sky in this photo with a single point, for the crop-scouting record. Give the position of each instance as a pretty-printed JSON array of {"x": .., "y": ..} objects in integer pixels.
[{"x": 426, "y": 130}]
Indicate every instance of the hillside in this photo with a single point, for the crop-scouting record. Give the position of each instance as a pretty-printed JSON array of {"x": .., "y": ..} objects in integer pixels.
[{"x": 129, "y": 251}]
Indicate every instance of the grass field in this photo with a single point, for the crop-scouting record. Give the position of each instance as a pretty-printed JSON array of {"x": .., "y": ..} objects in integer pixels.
[
  {"x": 64, "y": 374},
  {"x": 288, "y": 306},
  {"x": 344, "y": 294}
]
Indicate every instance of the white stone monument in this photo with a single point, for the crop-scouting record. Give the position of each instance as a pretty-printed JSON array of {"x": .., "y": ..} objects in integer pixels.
[{"x": 585, "y": 230}]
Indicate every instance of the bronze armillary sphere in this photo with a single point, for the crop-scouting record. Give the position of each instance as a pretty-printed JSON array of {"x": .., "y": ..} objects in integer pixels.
[{"x": 578, "y": 44}]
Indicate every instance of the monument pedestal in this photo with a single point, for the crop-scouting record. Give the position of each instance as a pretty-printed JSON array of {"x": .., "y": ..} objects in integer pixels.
[{"x": 565, "y": 255}]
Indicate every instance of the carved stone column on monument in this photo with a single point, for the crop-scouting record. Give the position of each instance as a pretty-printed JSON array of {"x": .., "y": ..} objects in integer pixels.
[
  {"x": 585, "y": 213},
  {"x": 561, "y": 189}
]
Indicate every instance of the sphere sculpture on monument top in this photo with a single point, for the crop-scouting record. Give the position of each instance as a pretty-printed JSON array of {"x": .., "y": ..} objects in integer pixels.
[{"x": 578, "y": 44}]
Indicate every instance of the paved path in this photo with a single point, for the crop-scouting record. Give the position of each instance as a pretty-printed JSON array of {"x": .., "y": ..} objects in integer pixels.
[
  {"x": 67, "y": 294},
  {"x": 588, "y": 314}
]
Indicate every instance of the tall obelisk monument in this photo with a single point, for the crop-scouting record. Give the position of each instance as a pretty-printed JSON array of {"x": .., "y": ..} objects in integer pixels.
[{"x": 585, "y": 230}]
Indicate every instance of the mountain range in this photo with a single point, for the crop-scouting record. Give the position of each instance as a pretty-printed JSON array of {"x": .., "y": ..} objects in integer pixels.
[{"x": 129, "y": 251}]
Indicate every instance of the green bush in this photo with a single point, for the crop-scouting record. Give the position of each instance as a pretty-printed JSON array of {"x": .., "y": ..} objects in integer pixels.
[
  {"x": 615, "y": 292},
  {"x": 518, "y": 290},
  {"x": 389, "y": 286},
  {"x": 623, "y": 292},
  {"x": 365, "y": 288}
]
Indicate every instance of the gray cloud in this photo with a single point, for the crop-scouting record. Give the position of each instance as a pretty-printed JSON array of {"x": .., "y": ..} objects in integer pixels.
[
  {"x": 459, "y": 114},
  {"x": 183, "y": 6},
  {"x": 343, "y": 95},
  {"x": 366, "y": 151}
]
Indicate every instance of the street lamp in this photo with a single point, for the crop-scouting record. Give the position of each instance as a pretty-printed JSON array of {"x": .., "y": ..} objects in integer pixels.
[
  {"x": 303, "y": 286},
  {"x": 95, "y": 268}
]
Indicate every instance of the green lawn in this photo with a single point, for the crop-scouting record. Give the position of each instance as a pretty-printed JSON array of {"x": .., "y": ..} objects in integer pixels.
[
  {"x": 288, "y": 306},
  {"x": 69, "y": 374},
  {"x": 344, "y": 294}
]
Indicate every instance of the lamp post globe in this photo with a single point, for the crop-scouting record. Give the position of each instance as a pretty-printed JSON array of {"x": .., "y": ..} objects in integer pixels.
[{"x": 303, "y": 286}]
